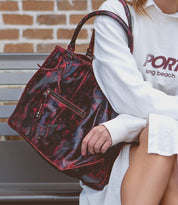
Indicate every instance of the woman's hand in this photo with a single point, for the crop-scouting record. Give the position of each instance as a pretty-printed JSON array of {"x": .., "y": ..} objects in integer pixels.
[{"x": 96, "y": 141}]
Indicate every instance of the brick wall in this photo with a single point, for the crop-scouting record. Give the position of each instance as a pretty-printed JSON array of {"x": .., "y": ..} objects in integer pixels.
[{"x": 38, "y": 25}]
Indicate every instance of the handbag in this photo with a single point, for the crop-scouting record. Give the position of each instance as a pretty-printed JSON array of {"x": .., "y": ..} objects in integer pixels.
[{"x": 61, "y": 103}]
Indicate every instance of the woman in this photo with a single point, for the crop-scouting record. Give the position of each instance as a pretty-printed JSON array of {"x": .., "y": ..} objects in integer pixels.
[{"x": 143, "y": 89}]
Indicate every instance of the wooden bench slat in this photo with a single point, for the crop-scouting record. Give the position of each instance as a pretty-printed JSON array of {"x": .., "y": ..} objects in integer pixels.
[
  {"x": 15, "y": 78},
  {"x": 38, "y": 188},
  {"x": 10, "y": 94},
  {"x": 21, "y": 61},
  {"x": 25, "y": 177},
  {"x": 6, "y": 110},
  {"x": 38, "y": 198},
  {"x": 20, "y": 163},
  {"x": 5, "y": 130}
]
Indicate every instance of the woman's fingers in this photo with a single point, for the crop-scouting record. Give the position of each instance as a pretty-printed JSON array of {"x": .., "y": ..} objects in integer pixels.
[
  {"x": 89, "y": 142},
  {"x": 85, "y": 143},
  {"x": 97, "y": 140},
  {"x": 105, "y": 147},
  {"x": 101, "y": 145}
]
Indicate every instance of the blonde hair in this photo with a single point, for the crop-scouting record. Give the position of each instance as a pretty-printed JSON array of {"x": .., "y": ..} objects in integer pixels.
[{"x": 138, "y": 6}]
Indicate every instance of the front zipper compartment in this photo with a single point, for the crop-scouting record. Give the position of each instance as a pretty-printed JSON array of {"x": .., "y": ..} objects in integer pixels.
[{"x": 67, "y": 103}]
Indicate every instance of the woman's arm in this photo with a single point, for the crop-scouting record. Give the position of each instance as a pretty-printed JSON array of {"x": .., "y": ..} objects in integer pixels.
[
  {"x": 125, "y": 128},
  {"x": 120, "y": 80},
  {"x": 122, "y": 83}
]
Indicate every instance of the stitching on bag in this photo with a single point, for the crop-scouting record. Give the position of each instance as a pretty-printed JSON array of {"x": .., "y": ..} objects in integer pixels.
[{"x": 81, "y": 115}]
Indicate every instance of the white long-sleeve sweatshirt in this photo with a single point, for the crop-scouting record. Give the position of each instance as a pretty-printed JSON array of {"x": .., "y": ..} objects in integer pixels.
[{"x": 142, "y": 87}]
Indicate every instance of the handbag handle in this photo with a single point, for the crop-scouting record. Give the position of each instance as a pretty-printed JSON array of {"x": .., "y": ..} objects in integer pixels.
[
  {"x": 127, "y": 12},
  {"x": 71, "y": 46},
  {"x": 90, "y": 49}
]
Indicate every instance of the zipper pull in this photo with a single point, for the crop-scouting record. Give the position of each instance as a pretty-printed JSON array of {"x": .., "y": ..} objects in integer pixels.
[
  {"x": 46, "y": 93},
  {"x": 37, "y": 114}
]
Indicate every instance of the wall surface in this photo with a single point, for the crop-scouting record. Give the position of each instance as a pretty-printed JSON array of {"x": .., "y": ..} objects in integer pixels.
[{"x": 38, "y": 25}]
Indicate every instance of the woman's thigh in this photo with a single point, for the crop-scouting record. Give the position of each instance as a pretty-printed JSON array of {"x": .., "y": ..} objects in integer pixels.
[
  {"x": 133, "y": 149},
  {"x": 171, "y": 193}
]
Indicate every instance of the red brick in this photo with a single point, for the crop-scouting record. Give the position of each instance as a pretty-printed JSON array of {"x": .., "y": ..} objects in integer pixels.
[
  {"x": 38, "y": 5},
  {"x": 75, "y": 19},
  {"x": 17, "y": 19},
  {"x": 96, "y": 4},
  {"x": 38, "y": 33},
  {"x": 8, "y": 6},
  {"x": 51, "y": 19},
  {"x": 19, "y": 48},
  {"x": 76, "y": 5},
  {"x": 9, "y": 34},
  {"x": 67, "y": 34},
  {"x": 81, "y": 48},
  {"x": 47, "y": 48}
]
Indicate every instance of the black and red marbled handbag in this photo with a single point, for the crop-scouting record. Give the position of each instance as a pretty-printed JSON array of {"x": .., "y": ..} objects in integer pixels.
[{"x": 61, "y": 104}]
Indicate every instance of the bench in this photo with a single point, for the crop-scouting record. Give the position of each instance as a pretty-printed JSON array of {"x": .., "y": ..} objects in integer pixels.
[{"x": 26, "y": 178}]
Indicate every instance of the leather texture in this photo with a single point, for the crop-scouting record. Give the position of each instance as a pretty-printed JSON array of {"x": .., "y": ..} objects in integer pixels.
[{"x": 61, "y": 104}]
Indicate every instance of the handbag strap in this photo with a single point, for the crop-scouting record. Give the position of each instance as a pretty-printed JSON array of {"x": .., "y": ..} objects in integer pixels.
[
  {"x": 127, "y": 12},
  {"x": 90, "y": 49},
  {"x": 71, "y": 46}
]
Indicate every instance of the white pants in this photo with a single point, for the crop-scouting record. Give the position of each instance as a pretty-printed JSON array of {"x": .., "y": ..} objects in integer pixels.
[{"x": 111, "y": 192}]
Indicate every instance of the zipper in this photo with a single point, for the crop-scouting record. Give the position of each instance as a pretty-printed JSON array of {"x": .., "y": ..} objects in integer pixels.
[{"x": 66, "y": 102}]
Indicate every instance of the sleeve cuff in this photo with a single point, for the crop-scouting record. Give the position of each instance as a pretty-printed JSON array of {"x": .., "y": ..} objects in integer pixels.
[
  {"x": 117, "y": 130},
  {"x": 125, "y": 128}
]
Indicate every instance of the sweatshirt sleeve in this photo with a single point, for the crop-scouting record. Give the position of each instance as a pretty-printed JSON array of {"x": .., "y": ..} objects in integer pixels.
[
  {"x": 125, "y": 128},
  {"x": 117, "y": 74},
  {"x": 122, "y": 83}
]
